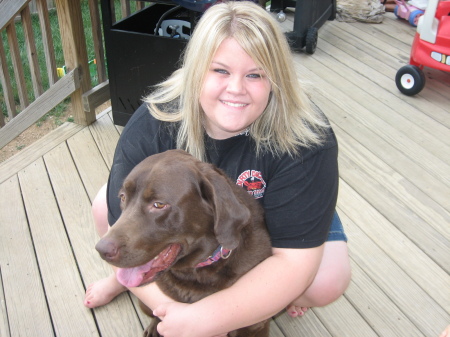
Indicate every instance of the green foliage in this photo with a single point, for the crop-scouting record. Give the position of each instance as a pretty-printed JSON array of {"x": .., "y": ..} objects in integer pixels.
[
  {"x": 87, "y": 25},
  {"x": 23, "y": 55},
  {"x": 59, "y": 56}
]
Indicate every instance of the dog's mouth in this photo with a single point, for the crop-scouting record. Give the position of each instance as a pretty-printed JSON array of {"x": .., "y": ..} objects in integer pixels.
[{"x": 146, "y": 273}]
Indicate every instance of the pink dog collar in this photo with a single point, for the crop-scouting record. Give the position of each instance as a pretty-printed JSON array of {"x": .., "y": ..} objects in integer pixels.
[{"x": 219, "y": 253}]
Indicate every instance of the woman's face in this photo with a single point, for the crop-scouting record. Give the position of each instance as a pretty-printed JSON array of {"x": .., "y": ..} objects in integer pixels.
[{"x": 235, "y": 91}]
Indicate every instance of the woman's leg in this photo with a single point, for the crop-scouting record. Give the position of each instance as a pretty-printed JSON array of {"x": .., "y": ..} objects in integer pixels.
[
  {"x": 332, "y": 279},
  {"x": 105, "y": 290}
]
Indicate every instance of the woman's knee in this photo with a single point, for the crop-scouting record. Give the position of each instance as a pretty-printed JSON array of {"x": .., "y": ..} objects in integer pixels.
[
  {"x": 335, "y": 275},
  {"x": 100, "y": 212},
  {"x": 333, "y": 288},
  {"x": 332, "y": 279}
]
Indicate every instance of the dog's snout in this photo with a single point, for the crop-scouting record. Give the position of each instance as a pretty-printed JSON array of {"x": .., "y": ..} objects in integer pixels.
[{"x": 108, "y": 250}]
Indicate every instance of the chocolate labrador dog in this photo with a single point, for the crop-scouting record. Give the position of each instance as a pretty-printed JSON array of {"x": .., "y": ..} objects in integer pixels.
[{"x": 188, "y": 227}]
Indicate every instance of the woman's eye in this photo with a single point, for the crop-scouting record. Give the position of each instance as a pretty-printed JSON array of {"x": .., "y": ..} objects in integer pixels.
[
  {"x": 254, "y": 75},
  {"x": 221, "y": 71},
  {"x": 159, "y": 205}
]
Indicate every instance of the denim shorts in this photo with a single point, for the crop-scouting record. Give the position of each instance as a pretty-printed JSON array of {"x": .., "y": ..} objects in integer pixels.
[{"x": 336, "y": 230}]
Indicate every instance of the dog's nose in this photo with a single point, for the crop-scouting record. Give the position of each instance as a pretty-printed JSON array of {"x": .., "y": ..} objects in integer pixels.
[{"x": 107, "y": 249}]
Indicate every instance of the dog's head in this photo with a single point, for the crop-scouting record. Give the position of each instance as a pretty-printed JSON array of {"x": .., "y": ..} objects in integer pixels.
[{"x": 175, "y": 209}]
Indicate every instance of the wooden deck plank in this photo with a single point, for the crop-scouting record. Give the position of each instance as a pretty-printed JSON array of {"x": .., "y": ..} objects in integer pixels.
[
  {"x": 438, "y": 81},
  {"x": 60, "y": 275},
  {"x": 106, "y": 136},
  {"x": 275, "y": 330},
  {"x": 387, "y": 257},
  {"x": 25, "y": 301},
  {"x": 398, "y": 51},
  {"x": 399, "y": 30},
  {"x": 413, "y": 212},
  {"x": 397, "y": 246},
  {"x": 88, "y": 159},
  {"x": 365, "y": 163},
  {"x": 386, "y": 89},
  {"x": 375, "y": 53},
  {"x": 376, "y": 307},
  {"x": 342, "y": 319},
  {"x": 36, "y": 150},
  {"x": 118, "y": 318},
  {"x": 411, "y": 120},
  {"x": 4, "y": 324},
  {"x": 344, "y": 113},
  {"x": 388, "y": 123},
  {"x": 308, "y": 325},
  {"x": 385, "y": 59}
]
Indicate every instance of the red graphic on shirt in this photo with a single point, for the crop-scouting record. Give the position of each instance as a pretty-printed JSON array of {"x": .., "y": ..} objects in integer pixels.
[
  {"x": 253, "y": 182},
  {"x": 255, "y": 185}
]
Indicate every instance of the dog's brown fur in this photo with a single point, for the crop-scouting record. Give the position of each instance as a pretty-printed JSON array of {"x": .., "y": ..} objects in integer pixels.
[{"x": 173, "y": 199}]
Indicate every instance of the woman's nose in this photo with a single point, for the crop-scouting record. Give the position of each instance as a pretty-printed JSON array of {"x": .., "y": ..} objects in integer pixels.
[{"x": 236, "y": 85}]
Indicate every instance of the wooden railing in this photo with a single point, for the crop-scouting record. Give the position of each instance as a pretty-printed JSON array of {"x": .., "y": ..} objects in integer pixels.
[{"x": 21, "y": 111}]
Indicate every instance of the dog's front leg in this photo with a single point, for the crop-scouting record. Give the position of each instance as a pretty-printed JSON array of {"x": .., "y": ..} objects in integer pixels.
[{"x": 151, "y": 330}]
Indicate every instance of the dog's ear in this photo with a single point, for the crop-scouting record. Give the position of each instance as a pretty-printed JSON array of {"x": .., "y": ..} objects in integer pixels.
[{"x": 231, "y": 213}]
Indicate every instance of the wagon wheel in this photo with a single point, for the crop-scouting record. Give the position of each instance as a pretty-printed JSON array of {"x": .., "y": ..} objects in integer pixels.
[
  {"x": 414, "y": 17},
  {"x": 410, "y": 80},
  {"x": 311, "y": 40},
  {"x": 396, "y": 11}
]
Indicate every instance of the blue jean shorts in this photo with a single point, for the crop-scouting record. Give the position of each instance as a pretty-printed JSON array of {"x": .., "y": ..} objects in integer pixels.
[{"x": 336, "y": 230}]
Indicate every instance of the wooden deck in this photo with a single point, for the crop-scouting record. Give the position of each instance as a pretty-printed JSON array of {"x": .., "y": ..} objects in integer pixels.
[{"x": 394, "y": 202}]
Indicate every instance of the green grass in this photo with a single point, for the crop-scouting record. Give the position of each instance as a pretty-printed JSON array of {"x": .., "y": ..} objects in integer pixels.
[
  {"x": 23, "y": 56},
  {"x": 59, "y": 110}
]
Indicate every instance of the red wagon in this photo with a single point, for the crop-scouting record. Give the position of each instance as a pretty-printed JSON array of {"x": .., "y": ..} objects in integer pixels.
[{"x": 431, "y": 48}]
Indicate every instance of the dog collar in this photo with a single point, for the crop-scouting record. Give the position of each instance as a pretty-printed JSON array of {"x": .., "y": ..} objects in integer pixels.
[{"x": 219, "y": 253}]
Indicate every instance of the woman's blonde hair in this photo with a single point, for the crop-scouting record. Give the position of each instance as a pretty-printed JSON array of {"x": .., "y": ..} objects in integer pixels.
[{"x": 287, "y": 123}]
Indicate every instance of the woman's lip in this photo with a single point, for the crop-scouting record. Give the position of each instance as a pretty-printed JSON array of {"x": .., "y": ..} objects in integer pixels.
[{"x": 234, "y": 104}]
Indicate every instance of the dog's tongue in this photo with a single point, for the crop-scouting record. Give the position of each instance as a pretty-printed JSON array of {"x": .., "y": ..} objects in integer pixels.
[{"x": 133, "y": 277}]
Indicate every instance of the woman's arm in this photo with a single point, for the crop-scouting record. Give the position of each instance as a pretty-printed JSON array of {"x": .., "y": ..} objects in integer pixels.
[{"x": 258, "y": 295}]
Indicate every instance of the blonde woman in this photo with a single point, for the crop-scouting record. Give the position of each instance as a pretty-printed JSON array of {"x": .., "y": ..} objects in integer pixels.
[{"x": 236, "y": 102}]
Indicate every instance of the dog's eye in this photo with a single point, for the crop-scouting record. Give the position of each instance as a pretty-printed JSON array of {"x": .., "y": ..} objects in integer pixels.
[
  {"x": 159, "y": 205},
  {"x": 122, "y": 197}
]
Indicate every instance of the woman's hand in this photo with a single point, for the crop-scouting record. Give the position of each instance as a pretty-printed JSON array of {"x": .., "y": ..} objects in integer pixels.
[{"x": 178, "y": 320}]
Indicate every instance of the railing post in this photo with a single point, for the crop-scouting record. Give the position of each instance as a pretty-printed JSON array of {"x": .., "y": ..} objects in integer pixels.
[{"x": 75, "y": 54}]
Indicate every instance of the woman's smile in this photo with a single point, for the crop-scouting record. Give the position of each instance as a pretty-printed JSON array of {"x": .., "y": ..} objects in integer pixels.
[{"x": 234, "y": 105}]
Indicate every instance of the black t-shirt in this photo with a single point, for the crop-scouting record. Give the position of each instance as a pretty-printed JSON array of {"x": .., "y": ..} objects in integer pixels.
[{"x": 298, "y": 194}]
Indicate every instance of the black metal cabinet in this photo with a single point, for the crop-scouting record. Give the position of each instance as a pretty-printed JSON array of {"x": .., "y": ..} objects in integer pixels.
[
  {"x": 137, "y": 58},
  {"x": 309, "y": 16}
]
